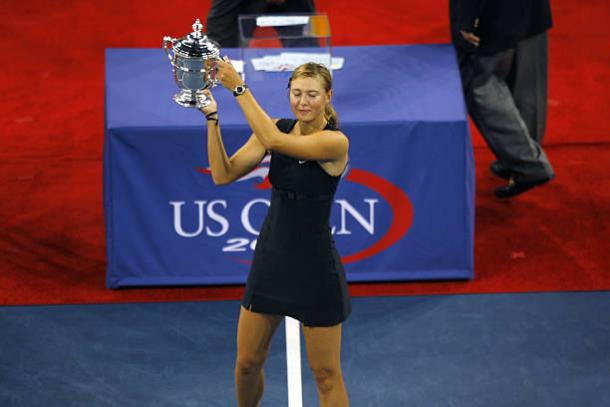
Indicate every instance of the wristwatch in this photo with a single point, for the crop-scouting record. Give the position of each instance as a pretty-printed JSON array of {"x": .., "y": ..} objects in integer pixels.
[{"x": 240, "y": 89}]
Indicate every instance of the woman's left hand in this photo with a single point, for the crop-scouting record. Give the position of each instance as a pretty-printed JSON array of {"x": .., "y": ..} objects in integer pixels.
[
  {"x": 227, "y": 75},
  {"x": 211, "y": 107}
]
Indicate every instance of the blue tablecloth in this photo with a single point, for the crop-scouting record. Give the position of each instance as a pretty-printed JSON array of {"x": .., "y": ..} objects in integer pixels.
[{"x": 404, "y": 210}]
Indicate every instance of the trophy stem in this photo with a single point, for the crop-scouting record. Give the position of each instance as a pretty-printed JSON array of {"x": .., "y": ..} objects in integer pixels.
[{"x": 191, "y": 98}]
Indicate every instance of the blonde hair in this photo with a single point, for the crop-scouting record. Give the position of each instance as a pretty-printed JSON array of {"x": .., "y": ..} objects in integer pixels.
[{"x": 315, "y": 70}]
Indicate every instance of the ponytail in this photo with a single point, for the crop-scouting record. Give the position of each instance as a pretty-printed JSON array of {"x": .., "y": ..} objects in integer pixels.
[{"x": 331, "y": 116}]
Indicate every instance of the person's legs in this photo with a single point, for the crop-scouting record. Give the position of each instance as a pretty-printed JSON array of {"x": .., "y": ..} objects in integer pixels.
[
  {"x": 324, "y": 356},
  {"x": 254, "y": 333},
  {"x": 528, "y": 83},
  {"x": 493, "y": 110},
  {"x": 222, "y": 22}
]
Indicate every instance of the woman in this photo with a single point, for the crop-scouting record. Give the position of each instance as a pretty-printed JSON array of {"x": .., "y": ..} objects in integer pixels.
[{"x": 296, "y": 270}]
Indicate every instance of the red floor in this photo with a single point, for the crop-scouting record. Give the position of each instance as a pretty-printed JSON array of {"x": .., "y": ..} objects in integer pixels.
[{"x": 51, "y": 134}]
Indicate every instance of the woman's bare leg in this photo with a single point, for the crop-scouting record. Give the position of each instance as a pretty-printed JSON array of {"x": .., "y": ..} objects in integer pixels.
[
  {"x": 254, "y": 333},
  {"x": 324, "y": 355}
]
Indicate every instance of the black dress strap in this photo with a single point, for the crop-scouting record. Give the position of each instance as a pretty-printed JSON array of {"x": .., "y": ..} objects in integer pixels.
[{"x": 285, "y": 125}]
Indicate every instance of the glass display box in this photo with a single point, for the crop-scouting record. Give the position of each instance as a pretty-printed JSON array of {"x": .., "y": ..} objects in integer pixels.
[{"x": 278, "y": 43}]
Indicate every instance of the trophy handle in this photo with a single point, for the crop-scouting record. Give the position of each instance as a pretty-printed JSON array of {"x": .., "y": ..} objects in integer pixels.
[
  {"x": 168, "y": 42},
  {"x": 212, "y": 73}
]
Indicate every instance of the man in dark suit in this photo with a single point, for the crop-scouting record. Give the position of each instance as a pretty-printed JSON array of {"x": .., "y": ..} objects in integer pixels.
[{"x": 502, "y": 51}]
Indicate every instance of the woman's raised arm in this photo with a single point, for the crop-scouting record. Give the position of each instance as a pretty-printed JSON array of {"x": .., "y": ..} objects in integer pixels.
[
  {"x": 224, "y": 169},
  {"x": 321, "y": 146}
]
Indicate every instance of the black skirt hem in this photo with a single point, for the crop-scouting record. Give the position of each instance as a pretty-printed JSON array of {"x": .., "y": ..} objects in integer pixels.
[{"x": 265, "y": 305}]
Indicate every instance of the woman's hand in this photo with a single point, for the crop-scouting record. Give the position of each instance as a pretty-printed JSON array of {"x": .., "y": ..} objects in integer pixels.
[
  {"x": 212, "y": 107},
  {"x": 227, "y": 75}
]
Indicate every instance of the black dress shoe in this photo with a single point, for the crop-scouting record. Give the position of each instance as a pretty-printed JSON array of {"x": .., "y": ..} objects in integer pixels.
[
  {"x": 499, "y": 170},
  {"x": 518, "y": 187}
]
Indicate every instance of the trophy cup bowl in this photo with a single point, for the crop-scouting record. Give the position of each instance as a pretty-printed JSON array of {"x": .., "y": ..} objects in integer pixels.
[{"x": 193, "y": 59}]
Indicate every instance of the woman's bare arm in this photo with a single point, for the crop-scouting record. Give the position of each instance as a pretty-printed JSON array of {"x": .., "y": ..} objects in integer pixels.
[
  {"x": 320, "y": 146},
  {"x": 224, "y": 169}
]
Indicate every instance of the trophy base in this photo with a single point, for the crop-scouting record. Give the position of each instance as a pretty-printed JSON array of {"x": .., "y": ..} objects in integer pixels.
[{"x": 194, "y": 99}]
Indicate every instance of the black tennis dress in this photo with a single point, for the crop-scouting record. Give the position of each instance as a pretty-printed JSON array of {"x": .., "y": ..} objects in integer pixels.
[{"x": 296, "y": 270}]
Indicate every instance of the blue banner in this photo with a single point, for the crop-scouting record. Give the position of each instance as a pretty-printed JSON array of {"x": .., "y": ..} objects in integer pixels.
[{"x": 404, "y": 209}]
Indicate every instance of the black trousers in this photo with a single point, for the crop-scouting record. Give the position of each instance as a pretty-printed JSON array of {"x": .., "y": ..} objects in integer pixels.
[
  {"x": 506, "y": 97},
  {"x": 528, "y": 83}
]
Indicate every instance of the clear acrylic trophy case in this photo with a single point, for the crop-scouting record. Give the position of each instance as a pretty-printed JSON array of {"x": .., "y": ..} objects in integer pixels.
[{"x": 274, "y": 45}]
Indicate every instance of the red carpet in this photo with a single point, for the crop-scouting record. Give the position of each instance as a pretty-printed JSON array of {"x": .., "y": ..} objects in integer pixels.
[{"x": 51, "y": 134}]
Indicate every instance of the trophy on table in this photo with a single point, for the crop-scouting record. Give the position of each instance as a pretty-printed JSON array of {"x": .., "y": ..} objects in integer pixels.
[{"x": 193, "y": 58}]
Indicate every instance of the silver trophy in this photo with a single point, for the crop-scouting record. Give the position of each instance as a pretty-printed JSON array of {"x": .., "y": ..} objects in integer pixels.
[{"x": 193, "y": 59}]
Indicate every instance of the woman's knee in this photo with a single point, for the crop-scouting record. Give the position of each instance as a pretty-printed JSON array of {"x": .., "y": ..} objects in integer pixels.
[
  {"x": 327, "y": 377},
  {"x": 249, "y": 364}
]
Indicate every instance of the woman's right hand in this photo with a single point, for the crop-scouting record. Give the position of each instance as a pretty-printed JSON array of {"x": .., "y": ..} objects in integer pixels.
[{"x": 212, "y": 107}]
